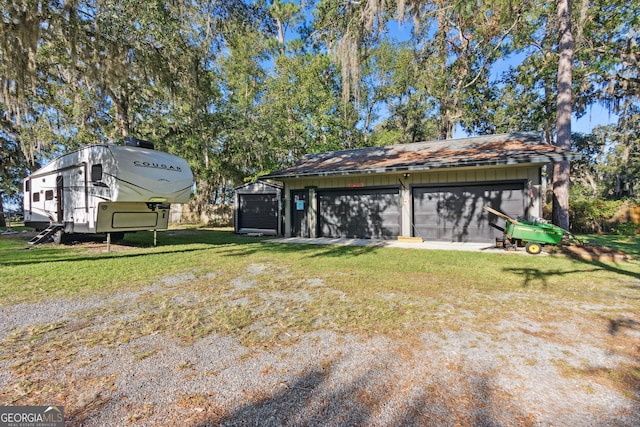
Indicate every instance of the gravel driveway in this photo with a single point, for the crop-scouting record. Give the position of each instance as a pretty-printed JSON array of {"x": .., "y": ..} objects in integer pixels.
[{"x": 519, "y": 372}]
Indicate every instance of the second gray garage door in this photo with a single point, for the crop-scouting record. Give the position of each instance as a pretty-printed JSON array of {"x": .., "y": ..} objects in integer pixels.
[
  {"x": 455, "y": 214},
  {"x": 368, "y": 213}
]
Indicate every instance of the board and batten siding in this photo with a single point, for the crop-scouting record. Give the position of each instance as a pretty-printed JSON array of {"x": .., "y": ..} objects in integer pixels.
[
  {"x": 407, "y": 179},
  {"x": 426, "y": 177}
]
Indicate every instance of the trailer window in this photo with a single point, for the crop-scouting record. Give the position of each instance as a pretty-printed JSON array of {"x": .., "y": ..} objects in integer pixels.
[
  {"x": 48, "y": 195},
  {"x": 27, "y": 186},
  {"x": 36, "y": 197},
  {"x": 96, "y": 173}
]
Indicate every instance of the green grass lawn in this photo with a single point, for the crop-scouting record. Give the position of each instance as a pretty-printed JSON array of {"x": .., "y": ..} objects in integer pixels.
[{"x": 372, "y": 289}]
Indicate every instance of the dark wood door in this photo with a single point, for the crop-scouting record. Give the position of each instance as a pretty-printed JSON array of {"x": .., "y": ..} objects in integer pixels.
[{"x": 299, "y": 215}]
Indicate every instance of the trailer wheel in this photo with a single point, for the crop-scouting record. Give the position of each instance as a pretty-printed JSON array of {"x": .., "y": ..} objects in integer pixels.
[
  {"x": 533, "y": 248},
  {"x": 58, "y": 237}
]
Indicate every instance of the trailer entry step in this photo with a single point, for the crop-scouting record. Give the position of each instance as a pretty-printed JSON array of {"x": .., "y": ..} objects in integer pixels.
[{"x": 46, "y": 234}]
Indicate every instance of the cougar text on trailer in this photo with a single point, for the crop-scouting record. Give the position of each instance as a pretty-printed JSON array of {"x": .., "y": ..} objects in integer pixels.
[{"x": 105, "y": 189}]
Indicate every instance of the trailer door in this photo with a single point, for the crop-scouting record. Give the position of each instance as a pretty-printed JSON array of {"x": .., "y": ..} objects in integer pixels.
[{"x": 60, "y": 198}]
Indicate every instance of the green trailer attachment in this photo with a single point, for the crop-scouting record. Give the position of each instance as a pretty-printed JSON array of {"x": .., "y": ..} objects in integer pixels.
[{"x": 533, "y": 234}]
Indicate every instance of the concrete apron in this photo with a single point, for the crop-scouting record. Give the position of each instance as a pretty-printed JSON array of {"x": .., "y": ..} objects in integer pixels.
[{"x": 447, "y": 246}]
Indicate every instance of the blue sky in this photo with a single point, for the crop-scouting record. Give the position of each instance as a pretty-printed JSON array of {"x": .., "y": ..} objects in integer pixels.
[{"x": 597, "y": 115}]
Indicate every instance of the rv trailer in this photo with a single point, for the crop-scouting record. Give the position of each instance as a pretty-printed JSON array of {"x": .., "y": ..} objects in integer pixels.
[{"x": 105, "y": 189}]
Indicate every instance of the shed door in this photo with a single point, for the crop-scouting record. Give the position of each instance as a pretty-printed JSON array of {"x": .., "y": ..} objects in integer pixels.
[
  {"x": 455, "y": 214},
  {"x": 363, "y": 213},
  {"x": 299, "y": 206},
  {"x": 258, "y": 211}
]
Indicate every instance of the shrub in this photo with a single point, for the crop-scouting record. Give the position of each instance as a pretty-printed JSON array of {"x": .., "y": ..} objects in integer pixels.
[
  {"x": 592, "y": 215},
  {"x": 627, "y": 229}
]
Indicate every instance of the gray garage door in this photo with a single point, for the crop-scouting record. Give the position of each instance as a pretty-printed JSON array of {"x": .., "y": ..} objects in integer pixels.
[
  {"x": 359, "y": 213},
  {"x": 258, "y": 211},
  {"x": 455, "y": 214}
]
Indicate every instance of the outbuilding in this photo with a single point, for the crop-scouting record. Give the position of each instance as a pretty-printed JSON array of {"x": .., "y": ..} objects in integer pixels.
[
  {"x": 434, "y": 190},
  {"x": 258, "y": 209}
]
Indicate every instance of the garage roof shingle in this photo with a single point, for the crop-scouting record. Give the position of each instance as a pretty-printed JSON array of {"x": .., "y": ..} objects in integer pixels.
[{"x": 493, "y": 150}]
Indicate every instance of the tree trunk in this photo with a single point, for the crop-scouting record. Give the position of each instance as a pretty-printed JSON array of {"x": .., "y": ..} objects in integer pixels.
[
  {"x": 561, "y": 170},
  {"x": 281, "y": 44},
  {"x": 446, "y": 125},
  {"x": 3, "y": 222}
]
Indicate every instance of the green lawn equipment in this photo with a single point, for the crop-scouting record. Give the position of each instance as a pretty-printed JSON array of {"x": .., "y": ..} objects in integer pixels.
[{"x": 534, "y": 235}]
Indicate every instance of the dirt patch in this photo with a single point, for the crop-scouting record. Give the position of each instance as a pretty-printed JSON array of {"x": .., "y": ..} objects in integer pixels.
[
  {"x": 595, "y": 253},
  {"x": 23, "y": 235},
  {"x": 100, "y": 247},
  {"x": 92, "y": 242}
]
